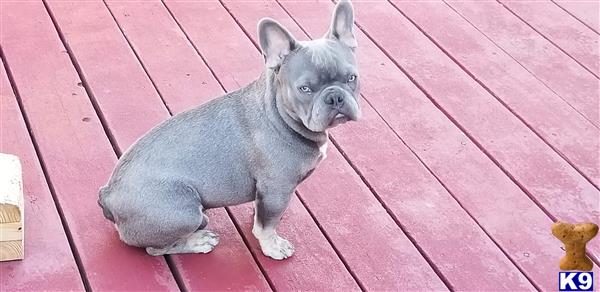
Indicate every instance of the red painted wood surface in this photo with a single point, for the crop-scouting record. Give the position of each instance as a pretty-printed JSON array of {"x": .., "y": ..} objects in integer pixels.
[
  {"x": 471, "y": 176},
  {"x": 177, "y": 70},
  {"x": 94, "y": 38},
  {"x": 434, "y": 168},
  {"x": 576, "y": 39},
  {"x": 548, "y": 178},
  {"x": 74, "y": 149},
  {"x": 314, "y": 258},
  {"x": 399, "y": 179},
  {"x": 546, "y": 113},
  {"x": 540, "y": 108},
  {"x": 49, "y": 262},
  {"x": 559, "y": 72},
  {"x": 585, "y": 11},
  {"x": 374, "y": 255},
  {"x": 93, "y": 21}
]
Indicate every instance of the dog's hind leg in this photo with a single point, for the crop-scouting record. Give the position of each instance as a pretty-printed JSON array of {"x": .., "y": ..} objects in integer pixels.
[{"x": 171, "y": 222}]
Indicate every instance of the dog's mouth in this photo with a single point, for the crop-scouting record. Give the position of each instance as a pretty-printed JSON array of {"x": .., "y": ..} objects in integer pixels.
[
  {"x": 344, "y": 114},
  {"x": 341, "y": 117},
  {"x": 338, "y": 119}
]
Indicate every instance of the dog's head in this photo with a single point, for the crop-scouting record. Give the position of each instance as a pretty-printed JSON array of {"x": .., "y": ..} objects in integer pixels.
[{"x": 317, "y": 81}]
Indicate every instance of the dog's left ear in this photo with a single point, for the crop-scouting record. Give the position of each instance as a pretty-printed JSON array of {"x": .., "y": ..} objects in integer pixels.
[
  {"x": 275, "y": 42},
  {"x": 342, "y": 24}
]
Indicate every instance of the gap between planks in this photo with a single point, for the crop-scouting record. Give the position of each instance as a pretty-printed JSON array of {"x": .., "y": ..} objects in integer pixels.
[{"x": 574, "y": 16}]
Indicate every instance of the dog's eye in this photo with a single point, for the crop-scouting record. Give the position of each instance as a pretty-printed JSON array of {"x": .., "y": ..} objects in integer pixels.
[
  {"x": 305, "y": 89},
  {"x": 351, "y": 78}
]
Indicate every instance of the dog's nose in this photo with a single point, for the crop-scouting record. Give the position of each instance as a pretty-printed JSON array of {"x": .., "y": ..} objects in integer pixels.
[{"x": 336, "y": 100}]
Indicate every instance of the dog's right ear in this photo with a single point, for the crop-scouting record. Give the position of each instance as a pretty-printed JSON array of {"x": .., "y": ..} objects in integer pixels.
[{"x": 275, "y": 42}]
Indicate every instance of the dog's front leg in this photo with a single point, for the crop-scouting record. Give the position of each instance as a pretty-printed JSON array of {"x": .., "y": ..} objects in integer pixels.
[{"x": 268, "y": 209}]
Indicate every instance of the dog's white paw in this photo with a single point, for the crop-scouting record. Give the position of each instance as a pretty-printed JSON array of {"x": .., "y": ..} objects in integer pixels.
[
  {"x": 156, "y": 251},
  {"x": 276, "y": 247},
  {"x": 202, "y": 241}
]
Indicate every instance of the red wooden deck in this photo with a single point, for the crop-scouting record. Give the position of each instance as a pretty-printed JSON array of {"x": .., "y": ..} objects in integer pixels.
[{"x": 481, "y": 127}]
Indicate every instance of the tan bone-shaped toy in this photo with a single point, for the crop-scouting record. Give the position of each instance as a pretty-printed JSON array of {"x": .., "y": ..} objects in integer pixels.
[{"x": 575, "y": 237}]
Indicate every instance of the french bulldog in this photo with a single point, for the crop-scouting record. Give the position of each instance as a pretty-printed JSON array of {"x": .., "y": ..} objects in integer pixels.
[{"x": 255, "y": 144}]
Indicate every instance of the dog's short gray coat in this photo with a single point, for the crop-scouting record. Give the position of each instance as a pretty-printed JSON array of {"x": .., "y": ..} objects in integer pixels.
[{"x": 255, "y": 144}]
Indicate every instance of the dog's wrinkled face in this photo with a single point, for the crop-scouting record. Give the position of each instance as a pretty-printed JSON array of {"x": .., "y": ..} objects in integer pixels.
[
  {"x": 319, "y": 84},
  {"x": 317, "y": 81}
]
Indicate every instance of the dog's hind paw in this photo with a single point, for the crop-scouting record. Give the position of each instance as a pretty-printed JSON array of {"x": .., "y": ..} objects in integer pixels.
[{"x": 201, "y": 241}]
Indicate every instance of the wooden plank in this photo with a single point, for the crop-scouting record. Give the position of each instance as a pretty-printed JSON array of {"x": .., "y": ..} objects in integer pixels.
[
  {"x": 559, "y": 72},
  {"x": 314, "y": 266},
  {"x": 184, "y": 81},
  {"x": 92, "y": 32},
  {"x": 559, "y": 27},
  {"x": 551, "y": 182},
  {"x": 11, "y": 208},
  {"x": 365, "y": 235},
  {"x": 544, "y": 112},
  {"x": 75, "y": 150},
  {"x": 385, "y": 166},
  {"x": 585, "y": 11},
  {"x": 106, "y": 67},
  {"x": 178, "y": 72},
  {"x": 474, "y": 180},
  {"x": 55, "y": 270}
]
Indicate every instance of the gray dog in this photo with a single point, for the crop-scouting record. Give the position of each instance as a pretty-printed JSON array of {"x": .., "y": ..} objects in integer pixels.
[{"x": 255, "y": 144}]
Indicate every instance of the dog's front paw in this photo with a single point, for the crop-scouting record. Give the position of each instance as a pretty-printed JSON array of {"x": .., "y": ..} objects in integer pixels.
[{"x": 277, "y": 247}]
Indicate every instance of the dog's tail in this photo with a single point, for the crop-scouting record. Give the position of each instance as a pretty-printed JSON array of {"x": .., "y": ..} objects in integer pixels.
[{"x": 101, "y": 199}]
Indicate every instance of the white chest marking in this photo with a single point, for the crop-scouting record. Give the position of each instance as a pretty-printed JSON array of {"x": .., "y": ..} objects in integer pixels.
[{"x": 323, "y": 151}]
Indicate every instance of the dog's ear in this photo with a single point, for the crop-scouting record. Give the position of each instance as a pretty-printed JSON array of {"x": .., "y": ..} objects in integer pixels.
[
  {"x": 342, "y": 24},
  {"x": 275, "y": 42}
]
